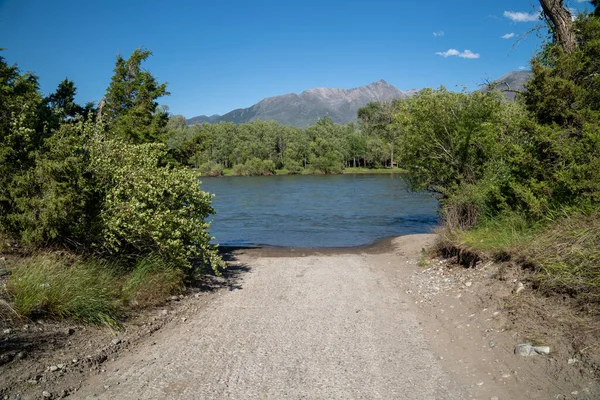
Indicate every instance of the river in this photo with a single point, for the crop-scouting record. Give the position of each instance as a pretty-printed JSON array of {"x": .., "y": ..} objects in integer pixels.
[{"x": 316, "y": 210}]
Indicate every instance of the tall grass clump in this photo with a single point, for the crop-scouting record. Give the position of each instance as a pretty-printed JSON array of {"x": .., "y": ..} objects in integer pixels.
[
  {"x": 566, "y": 258},
  {"x": 46, "y": 285},
  {"x": 151, "y": 281}
]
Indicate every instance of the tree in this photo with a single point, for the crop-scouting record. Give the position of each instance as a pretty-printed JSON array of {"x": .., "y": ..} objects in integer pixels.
[
  {"x": 561, "y": 23},
  {"x": 130, "y": 108},
  {"x": 376, "y": 119},
  {"x": 21, "y": 132}
]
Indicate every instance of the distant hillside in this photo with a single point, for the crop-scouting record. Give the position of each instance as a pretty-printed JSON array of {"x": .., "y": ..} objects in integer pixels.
[
  {"x": 306, "y": 108},
  {"x": 203, "y": 118},
  {"x": 514, "y": 80}
]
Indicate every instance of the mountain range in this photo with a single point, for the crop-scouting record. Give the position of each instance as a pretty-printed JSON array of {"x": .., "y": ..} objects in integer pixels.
[
  {"x": 511, "y": 83},
  {"x": 341, "y": 105}
]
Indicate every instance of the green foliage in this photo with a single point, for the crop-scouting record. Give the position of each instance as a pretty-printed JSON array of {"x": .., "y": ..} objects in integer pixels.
[
  {"x": 254, "y": 167},
  {"x": 565, "y": 88},
  {"x": 332, "y": 147},
  {"x": 531, "y": 184},
  {"x": 131, "y": 109},
  {"x": 98, "y": 186},
  {"x": 54, "y": 199},
  {"x": 210, "y": 168},
  {"x": 148, "y": 207}
]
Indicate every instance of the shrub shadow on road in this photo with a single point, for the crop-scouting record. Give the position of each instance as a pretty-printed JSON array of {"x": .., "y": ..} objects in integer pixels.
[{"x": 230, "y": 279}]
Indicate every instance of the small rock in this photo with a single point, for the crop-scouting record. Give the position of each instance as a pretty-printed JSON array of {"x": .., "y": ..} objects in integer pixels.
[
  {"x": 2, "y": 259},
  {"x": 197, "y": 295},
  {"x": 53, "y": 368},
  {"x": 480, "y": 383},
  {"x": 572, "y": 361},
  {"x": 20, "y": 355},
  {"x": 174, "y": 298},
  {"x": 60, "y": 366},
  {"x": 469, "y": 284},
  {"x": 520, "y": 287},
  {"x": 183, "y": 319},
  {"x": 164, "y": 312},
  {"x": 74, "y": 361},
  {"x": 6, "y": 331},
  {"x": 46, "y": 394},
  {"x": 69, "y": 331},
  {"x": 575, "y": 393},
  {"x": 496, "y": 313},
  {"x": 116, "y": 341},
  {"x": 526, "y": 350}
]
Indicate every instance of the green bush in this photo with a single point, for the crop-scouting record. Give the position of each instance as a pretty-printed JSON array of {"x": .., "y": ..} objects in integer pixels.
[
  {"x": 148, "y": 207},
  {"x": 292, "y": 166},
  {"x": 211, "y": 168},
  {"x": 329, "y": 163},
  {"x": 113, "y": 198},
  {"x": 254, "y": 167}
]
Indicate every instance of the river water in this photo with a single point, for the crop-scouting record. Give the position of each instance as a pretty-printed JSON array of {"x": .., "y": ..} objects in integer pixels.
[{"x": 316, "y": 210}]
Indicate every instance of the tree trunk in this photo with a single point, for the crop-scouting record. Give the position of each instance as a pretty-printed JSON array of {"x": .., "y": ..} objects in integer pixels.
[{"x": 562, "y": 23}]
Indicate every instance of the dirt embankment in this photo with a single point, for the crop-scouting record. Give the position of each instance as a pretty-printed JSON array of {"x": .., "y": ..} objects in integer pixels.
[{"x": 376, "y": 322}]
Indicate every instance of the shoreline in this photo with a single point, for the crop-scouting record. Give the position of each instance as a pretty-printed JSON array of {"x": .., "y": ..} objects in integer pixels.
[
  {"x": 379, "y": 246},
  {"x": 349, "y": 171}
]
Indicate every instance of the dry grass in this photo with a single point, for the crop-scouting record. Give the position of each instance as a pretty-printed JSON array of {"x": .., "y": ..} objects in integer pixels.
[
  {"x": 562, "y": 255},
  {"x": 566, "y": 258}
]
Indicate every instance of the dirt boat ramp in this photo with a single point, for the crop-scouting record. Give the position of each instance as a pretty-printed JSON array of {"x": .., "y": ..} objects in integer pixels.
[{"x": 356, "y": 324}]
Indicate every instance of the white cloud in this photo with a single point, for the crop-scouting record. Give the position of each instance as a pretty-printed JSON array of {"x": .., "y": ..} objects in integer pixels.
[
  {"x": 456, "y": 53},
  {"x": 508, "y": 36},
  {"x": 522, "y": 68},
  {"x": 438, "y": 33},
  {"x": 521, "y": 16}
]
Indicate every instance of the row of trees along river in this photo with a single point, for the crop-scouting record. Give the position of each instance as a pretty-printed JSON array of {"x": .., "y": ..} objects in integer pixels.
[{"x": 262, "y": 147}]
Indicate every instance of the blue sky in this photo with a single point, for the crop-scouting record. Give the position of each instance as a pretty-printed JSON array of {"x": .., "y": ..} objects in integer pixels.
[{"x": 220, "y": 55}]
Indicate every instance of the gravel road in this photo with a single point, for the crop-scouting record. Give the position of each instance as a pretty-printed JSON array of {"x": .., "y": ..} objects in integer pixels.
[{"x": 328, "y": 326}]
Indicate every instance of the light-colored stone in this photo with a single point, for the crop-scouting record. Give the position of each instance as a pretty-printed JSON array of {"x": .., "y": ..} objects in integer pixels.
[
  {"x": 519, "y": 288},
  {"x": 527, "y": 350}
]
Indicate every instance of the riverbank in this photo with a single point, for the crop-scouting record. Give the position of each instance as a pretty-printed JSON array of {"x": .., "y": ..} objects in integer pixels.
[
  {"x": 328, "y": 323},
  {"x": 357, "y": 170}
]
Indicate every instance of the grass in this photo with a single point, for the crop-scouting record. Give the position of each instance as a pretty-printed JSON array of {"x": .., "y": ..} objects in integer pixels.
[
  {"x": 563, "y": 254},
  {"x": 151, "y": 282},
  {"x": 68, "y": 287},
  {"x": 505, "y": 233},
  {"x": 49, "y": 285}
]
